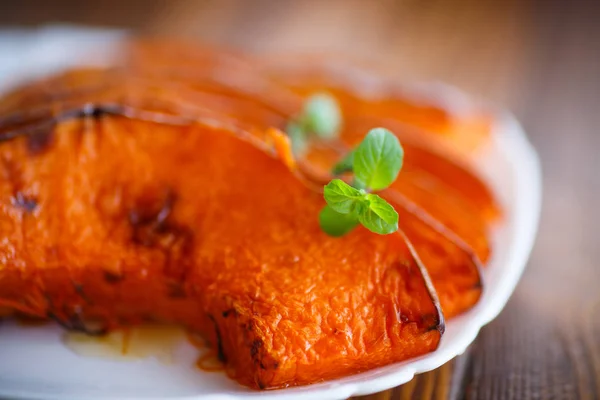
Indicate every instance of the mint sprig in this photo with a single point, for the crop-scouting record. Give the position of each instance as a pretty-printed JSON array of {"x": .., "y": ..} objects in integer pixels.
[
  {"x": 342, "y": 197},
  {"x": 375, "y": 163},
  {"x": 321, "y": 117},
  {"x": 336, "y": 224},
  {"x": 346, "y": 165},
  {"x": 380, "y": 217},
  {"x": 378, "y": 159}
]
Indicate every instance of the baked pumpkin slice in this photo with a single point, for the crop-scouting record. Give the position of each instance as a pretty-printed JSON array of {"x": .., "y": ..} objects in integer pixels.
[
  {"x": 111, "y": 220},
  {"x": 155, "y": 191}
]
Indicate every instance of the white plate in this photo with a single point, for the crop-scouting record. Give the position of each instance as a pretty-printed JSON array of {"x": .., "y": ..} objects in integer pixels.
[{"x": 35, "y": 364}]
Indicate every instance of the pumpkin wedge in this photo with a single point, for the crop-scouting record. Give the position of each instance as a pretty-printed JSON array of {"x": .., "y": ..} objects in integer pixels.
[{"x": 166, "y": 191}]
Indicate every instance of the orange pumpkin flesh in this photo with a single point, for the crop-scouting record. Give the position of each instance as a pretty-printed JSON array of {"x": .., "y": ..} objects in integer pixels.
[{"x": 146, "y": 193}]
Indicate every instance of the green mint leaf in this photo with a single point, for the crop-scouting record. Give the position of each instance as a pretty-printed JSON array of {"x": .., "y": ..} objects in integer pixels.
[
  {"x": 322, "y": 116},
  {"x": 335, "y": 224},
  {"x": 357, "y": 183},
  {"x": 346, "y": 165},
  {"x": 342, "y": 197},
  {"x": 298, "y": 139},
  {"x": 380, "y": 217},
  {"x": 376, "y": 163},
  {"x": 378, "y": 159}
]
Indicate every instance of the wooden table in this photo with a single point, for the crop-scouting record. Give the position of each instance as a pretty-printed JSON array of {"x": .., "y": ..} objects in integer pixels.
[{"x": 541, "y": 59}]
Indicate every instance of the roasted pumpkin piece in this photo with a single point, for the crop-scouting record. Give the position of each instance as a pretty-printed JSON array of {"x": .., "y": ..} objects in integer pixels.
[
  {"x": 165, "y": 190},
  {"x": 430, "y": 110},
  {"x": 116, "y": 221}
]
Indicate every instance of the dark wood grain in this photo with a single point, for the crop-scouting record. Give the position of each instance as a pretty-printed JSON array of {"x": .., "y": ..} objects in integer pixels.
[
  {"x": 540, "y": 58},
  {"x": 545, "y": 344}
]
